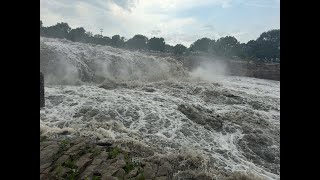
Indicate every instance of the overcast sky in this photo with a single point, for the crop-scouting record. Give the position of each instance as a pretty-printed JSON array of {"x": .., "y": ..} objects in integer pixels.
[{"x": 177, "y": 21}]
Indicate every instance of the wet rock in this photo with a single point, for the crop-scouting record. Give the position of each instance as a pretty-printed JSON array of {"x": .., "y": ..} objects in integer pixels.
[
  {"x": 76, "y": 148},
  {"x": 149, "y": 89},
  {"x": 132, "y": 173},
  {"x": 60, "y": 171},
  {"x": 257, "y": 147},
  {"x": 83, "y": 161},
  {"x": 47, "y": 153},
  {"x": 203, "y": 177},
  {"x": 120, "y": 174},
  {"x": 55, "y": 100},
  {"x": 44, "y": 144},
  {"x": 62, "y": 159},
  {"x": 108, "y": 177},
  {"x": 43, "y": 167},
  {"x": 164, "y": 169},
  {"x": 108, "y": 168},
  {"x": 108, "y": 144},
  {"x": 65, "y": 132},
  {"x": 42, "y": 98},
  {"x": 109, "y": 84},
  {"x": 200, "y": 117},
  {"x": 92, "y": 113},
  {"x": 161, "y": 178},
  {"x": 150, "y": 170},
  {"x": 89, "y": 171}
]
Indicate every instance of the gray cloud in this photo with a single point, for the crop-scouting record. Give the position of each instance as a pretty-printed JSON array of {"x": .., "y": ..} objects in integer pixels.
[{"x": 148, "y": 17}]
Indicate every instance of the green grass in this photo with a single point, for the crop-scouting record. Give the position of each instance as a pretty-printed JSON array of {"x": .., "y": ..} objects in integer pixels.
[
  {"x": 129, "y": 167},
  {"x": 62, "y": 147},
  {"x": 72, "y": 175},
  {"x": 96, "y": 178},
  {"x": 70, "y": 164},
  {"x": 95, "y": 152},
  {"x": 141, "y": 177},
  {"x": 114, "y": 153}
]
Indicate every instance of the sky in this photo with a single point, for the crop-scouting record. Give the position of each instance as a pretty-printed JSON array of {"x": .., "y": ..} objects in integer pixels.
[{"x": 177, "y": 21}]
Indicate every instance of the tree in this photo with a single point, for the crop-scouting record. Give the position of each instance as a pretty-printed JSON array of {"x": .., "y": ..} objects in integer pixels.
[
  {"x": 201, "y": 45},
  {"x": 226, "y": 46},
  {"x": 78, "y": 35},
  {"x": 60, "y": 30},
  {"x": 168, "y": 48},
  {"x": 137, "y": 42},
  {"x": 179, "y": 49},
  {"x": 42, "y": 29},
  {"x": 156, "y": 44},
  {"x": 117, "y": 41},
  {"x": 267, "y": 45}
]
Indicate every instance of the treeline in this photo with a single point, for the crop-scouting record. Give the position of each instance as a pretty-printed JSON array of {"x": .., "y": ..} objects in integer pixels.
[{"x": 266, "y": 48}]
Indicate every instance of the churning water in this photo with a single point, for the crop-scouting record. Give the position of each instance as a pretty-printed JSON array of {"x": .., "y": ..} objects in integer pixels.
[{"x": 108, "y": 93}]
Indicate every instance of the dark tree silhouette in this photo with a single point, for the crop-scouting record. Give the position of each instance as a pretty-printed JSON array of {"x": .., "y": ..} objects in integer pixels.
[
  {"x": 265, "y": 48},
  {"x": 156, "y": 44},
  {"x": 179, "y": 49}
]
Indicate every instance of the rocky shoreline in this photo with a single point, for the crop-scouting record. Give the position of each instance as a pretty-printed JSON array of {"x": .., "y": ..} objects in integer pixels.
[{"x": 83, "y": 159}]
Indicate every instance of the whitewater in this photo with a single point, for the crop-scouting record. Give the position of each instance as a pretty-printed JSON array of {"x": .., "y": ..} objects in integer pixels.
[{"x": 106, "y": 93}]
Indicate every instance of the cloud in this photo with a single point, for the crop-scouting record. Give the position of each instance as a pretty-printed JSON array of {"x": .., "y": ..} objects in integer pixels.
[{"x": 148, "y": 17}]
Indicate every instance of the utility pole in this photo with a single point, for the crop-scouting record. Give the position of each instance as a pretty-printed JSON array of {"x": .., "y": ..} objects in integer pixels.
[{"x": 101, "y": 30}]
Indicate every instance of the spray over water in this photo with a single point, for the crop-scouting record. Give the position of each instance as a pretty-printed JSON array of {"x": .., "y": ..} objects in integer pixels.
[{"x": 231, "y": 123}]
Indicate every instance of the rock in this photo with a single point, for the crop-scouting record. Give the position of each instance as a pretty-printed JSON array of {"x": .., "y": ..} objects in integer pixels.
[
  {"x": 44, "y": 144},
  {"x": 109, "y": 84},
  {"x": 161, "y": 178},
  {"x": 83, "y": 161},
  {"x": 149, "y": 89},
  {"x": 60, "y": 171},
  {"x": 62, "y": 159},
  {"x": 77, "y": 141},
  {"x": 132, "y": 173},
  {"x": 202, "y": 118},
  {"x": 120, "y": 174},
  {"x": 108, "y": 168},
  {"x": 97, "y": 161},
  {"x": 100, "y": 158},
  {"x": 164, "y": 169},
  {"x": 76, "y": 148},
  {"x": 43, "y": 167},
  {"x": 104, "y": 144},
  {"x": 42, "y": 99},
  {"x": 150, "y": 170},
  {"x": 47, "y": 153},
  {"x": 89, "y": 171},
  {"x": 119, "y": 163},
  {"x": 107, "y": 177}
]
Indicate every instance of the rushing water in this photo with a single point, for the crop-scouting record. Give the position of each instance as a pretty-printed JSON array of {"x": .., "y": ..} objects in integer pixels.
[{"x": 108, "y": 93}]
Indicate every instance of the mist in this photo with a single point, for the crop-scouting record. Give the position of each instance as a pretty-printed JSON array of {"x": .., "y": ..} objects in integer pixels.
[
  {"x": 64, "y": 62},
  {"x": 209, "y": 69}
]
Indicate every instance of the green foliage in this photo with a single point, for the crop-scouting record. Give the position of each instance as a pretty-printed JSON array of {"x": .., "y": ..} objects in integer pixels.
[
  {"x": 201, "y": 45},
  {"x": 117, "y": 41},
  {"x": 129, "y": 167},
  {"x": 114, "y": 153},
  {"x": 70, "y": 164},
  {"x": 138, "y": 42},
  {"x": 141, "y": 177},
  {"x": 96, "y": 178},
  {"x": 179, "y": 49},
  {"x": 265, "y": 48},
  {"x": 156, "y": 44}
]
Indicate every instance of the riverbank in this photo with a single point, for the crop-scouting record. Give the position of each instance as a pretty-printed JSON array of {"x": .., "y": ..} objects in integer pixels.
[{"x": 82, "y": 158}]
